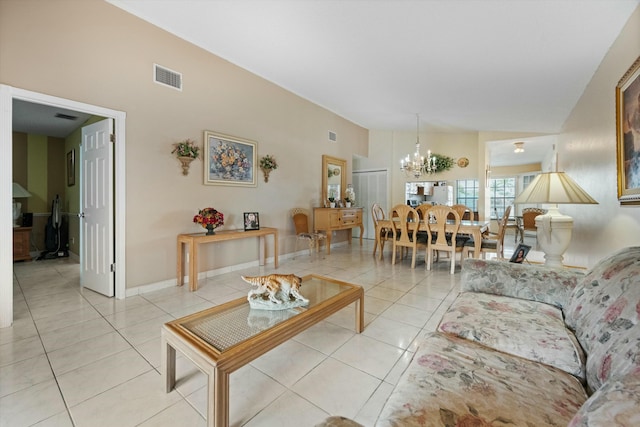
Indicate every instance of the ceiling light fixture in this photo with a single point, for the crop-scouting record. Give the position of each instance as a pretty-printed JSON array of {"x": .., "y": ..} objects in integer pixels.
[
  {"x": 519, "y": 147},
  {"x": 416, "y": 166}
]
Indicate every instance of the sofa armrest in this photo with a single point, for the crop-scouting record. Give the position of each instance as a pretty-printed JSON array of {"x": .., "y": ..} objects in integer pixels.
[{"x": 531, "y": 282}]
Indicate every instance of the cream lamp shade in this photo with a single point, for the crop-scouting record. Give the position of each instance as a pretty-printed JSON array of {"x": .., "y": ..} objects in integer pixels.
[
  {"x": 18, "y": 192},
  {"x": 553, "y": 228}
]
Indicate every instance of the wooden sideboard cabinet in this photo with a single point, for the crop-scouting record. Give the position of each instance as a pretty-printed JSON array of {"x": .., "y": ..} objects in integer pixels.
[
  {"x": 331, "y": 219},
  {"x": 21, "y": 243}
]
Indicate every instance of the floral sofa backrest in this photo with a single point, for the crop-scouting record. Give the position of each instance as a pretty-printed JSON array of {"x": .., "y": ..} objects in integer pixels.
[{"x": 604, "y": 312}]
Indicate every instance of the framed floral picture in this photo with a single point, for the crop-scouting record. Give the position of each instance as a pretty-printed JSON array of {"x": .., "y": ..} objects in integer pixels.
[
  {"x": 628, "y": 135},
  {"x": 251, "y": 221},
  {"x": 229, "y": 160}
]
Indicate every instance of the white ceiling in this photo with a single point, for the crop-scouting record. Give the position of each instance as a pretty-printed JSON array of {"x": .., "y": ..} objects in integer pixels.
[
  {"x": 476, "y": 65},
  {"x": 492, "y": 65}
]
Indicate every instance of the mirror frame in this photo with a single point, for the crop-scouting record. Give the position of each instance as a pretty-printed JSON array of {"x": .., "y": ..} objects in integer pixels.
[{"x": 330, "y": 160}]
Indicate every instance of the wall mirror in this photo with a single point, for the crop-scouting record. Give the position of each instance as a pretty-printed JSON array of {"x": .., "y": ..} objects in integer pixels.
[{"x": 334, "y": 177}]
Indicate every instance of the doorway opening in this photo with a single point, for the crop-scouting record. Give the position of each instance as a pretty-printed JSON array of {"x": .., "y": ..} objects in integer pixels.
[{"x": 7, "y": 95}]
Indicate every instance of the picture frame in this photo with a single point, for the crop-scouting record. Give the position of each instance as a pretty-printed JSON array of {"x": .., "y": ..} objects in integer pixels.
[
  {"x": 229, "y": 160},
  {"x": 628, "y": 135},
  {"x": 71, "y": 168},
  {"x": 520, "y": 253},
  {"x": 251, "y": 221}
]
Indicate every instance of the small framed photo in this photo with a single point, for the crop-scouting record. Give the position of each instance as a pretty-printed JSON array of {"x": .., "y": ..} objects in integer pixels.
[
  {"x": 520, "y": 253},
  {"x": 71, "y": 168},
  {"x": 251, "y": 221}
]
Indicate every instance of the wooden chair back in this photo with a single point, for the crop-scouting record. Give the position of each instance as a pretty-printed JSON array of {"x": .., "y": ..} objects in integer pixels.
[
  {"x": 443, "y": 236},
  {"x": 462, "y": 209},
  {"x": 422, "y": 209},
  {"x": 502, "y": 228},
  {"x": 300, "y": 220},
  {"x": 529, "y": 218},
  {"x": 405, "y": 230},
  {"x": 377, "y": 213}
]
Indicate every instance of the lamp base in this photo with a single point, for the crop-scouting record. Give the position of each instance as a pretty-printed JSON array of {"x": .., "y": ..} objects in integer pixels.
[
  {"x": 17, "y": 208},
  {"x": 554, "y": 235}
]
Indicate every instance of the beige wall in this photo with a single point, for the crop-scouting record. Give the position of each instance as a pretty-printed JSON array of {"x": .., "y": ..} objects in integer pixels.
[
  {"x": 587, "y": 152},
  {"x": 108, "y": 62}
]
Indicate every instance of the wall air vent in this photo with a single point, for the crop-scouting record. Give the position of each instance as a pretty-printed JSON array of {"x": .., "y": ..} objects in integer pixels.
[
  {"x": 167, "y": 77},
  {"x": 333, "y": 137}
]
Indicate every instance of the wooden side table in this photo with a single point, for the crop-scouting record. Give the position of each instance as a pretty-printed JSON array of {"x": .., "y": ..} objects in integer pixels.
[
  {"x": 192, "y": 241},
  {"x": 330, "y": 219},
  {"x": 21, "y": 243}
]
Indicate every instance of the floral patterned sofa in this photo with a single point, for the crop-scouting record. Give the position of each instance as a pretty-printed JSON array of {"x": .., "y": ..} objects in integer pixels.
[{"x": 530, "y": 346}]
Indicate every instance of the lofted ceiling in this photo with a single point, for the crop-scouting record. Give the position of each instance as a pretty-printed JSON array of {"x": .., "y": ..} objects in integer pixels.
[
  {"x": 477, "y": 65},
  {"x": 463, "y": 65}
]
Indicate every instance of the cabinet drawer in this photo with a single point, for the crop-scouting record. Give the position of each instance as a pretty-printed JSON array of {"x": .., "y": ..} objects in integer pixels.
[{"x": 351, "y": 217}]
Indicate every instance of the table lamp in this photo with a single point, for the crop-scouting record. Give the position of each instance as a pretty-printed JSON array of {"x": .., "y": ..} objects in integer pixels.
[
  {"x": 553, "y": 228},
  {"x": 18, "y": 192}
]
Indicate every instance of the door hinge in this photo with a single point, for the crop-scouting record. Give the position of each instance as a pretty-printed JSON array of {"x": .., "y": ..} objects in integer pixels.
[
  {"x": 112, "y": 137},
  {"x": 112, "y": 268}
]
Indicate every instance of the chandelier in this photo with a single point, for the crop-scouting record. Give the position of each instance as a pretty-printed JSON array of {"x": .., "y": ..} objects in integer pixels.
[{"x": 417, "y": 165}]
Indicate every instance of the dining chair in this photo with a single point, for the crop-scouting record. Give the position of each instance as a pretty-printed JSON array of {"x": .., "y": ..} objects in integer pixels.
[
  {"x": 405, "y": 231},
  {"x": 511, "y": 225},
  {"x": 443, "y": 235},
  {"x": 422, "y": 209},
  {"x": 377, "y": 214},
  {"x": 462, "y": 209},
  {"x": 495, "y": 245},
  {"x": 529, "y": 219},
  {"x": 300, "y": 218}
]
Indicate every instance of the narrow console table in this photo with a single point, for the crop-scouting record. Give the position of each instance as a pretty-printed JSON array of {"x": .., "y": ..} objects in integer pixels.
[
  {"x": 193, "y": 240},
  {"x": 330, "y": 219}
]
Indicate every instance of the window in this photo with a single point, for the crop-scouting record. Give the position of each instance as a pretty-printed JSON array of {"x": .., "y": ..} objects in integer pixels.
[
  {"x": 467, "y": 193},
  {"x": 526, "y": 180},
  {"x": 502, "y": 192}
]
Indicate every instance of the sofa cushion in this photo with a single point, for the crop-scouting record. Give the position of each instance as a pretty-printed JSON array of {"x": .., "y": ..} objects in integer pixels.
[
  {"x": 604, "y": 310},
  {"x": 452, "y": 381},
  {"x": 529, "y": 329},
  {"x": 616, "y": 403},
  {"x": 536, "y": 283}
]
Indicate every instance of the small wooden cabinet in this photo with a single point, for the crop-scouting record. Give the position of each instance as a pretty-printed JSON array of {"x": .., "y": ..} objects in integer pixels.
[
  {"x": 21, "y": 243},
  {"x": 331, "y": 219}
]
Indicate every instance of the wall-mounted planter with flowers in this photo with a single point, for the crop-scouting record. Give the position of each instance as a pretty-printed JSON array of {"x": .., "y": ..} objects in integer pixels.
[
  {"x": 267, "y": 164},
  {"x": 186, "y": 151}
]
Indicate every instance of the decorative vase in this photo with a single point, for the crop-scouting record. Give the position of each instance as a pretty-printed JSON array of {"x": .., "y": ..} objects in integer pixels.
[
  {"x": 347, "y": 204},
  {"x": 332, "y": 204},
  {"x": 186, "y": 161},
  {"x": 210, "y": 229},
  {"x": 266, "y": 173}
]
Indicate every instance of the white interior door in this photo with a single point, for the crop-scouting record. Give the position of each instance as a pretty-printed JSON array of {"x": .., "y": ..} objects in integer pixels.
[
  {"x": 96, "y": 202},
  {"x": 370, "y": 188}
]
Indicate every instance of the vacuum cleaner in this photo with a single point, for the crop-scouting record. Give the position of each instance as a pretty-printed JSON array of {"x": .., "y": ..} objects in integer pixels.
[{"x": 56, "y": 234}]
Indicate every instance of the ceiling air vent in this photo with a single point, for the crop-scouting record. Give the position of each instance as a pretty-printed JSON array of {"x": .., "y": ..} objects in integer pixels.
[
  {"x": 167, "y": 77},
  {"x": 65, "y": 116},
  {"x": 333, "y": 137}
]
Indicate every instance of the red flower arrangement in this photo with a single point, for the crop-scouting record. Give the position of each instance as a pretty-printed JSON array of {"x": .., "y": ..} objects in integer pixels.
[{"x": 209, "y": 216}]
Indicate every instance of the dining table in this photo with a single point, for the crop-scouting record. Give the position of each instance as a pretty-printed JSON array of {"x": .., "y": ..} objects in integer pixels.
[{"x": 475, "y": 229}]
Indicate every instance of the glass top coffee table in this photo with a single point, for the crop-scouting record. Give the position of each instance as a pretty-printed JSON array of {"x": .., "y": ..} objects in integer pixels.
[{"x": 224, "y": 338}]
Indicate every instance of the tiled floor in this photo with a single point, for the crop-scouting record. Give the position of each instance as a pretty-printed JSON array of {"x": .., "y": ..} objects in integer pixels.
[{"x": 76, "y": 358}]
